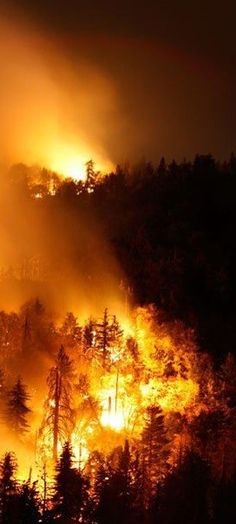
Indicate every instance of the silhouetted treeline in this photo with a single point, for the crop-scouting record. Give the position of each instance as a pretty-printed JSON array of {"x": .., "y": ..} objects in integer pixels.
[
  {"x": 172, "y": 228},
  {"x": 115, "y": 490}
]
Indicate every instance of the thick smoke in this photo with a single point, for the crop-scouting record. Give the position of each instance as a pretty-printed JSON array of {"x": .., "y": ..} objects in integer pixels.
[{"x": 52, "y": 114}]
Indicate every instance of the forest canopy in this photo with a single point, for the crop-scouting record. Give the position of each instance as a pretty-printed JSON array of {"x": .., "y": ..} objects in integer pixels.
[{"x": 117, "y": 359}]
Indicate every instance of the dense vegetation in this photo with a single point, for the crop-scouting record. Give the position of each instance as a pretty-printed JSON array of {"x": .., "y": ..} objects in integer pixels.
[{"x": 171, "y": 228}]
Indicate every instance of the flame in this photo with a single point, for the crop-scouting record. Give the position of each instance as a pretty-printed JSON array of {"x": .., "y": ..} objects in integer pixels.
[
  {"x": 113, "y": 420},
  {"x": 113, "y": 406},
  {"x": 69, "y": 160}
]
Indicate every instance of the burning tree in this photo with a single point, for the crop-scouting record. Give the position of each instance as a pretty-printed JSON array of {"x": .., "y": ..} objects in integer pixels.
[
  {"x": 59, "y": 416},
  {"x": 91, "y": 176},
  {"x": 104, "y": 337}
]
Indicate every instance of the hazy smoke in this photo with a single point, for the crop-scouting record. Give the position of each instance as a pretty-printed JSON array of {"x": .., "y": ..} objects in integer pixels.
[{"x": 53, "y": 114}]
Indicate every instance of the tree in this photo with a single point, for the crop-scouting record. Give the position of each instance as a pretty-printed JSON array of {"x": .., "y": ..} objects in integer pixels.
[
  {"x": 182, "y": 497},
  {"x": 8, "y": 490},
  {"x": 91, "y": 176},
  {"x": 17, "y": 409},
  {"x": 154, "y": 448},
  {"x": 58, "y": 420},
  {"x": 89, "y": 332},
  {"x": 71, "y": 489},
  {"x": 113, "y": 490},
  {"x": 28, "y": 504},
  {"x": 70, "y": 331},
  {"x": 209, "y": 436},
  {"x": 104, "y": 337},
  {"x": 116, "y": 333},
  {"x": 122, "y": 480},
  {"x": 104, "y": 511}
]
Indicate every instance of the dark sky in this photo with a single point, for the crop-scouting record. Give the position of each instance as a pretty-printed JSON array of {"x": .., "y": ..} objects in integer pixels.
[{"x": 172, "y": 62}]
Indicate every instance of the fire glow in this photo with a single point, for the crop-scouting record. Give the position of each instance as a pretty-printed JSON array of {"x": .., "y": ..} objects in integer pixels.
[{"x": 109, "y": 396}]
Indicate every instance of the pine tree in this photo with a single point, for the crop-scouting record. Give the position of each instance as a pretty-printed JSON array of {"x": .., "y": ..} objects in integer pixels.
[
  {"x": 71, "y": 331},
  {"x": 91, "y": 176},
  {"x": 138, "y": 485},
  {"x": 116, "y": 333},
  {"x": 8, "y": 490},
  {"x": 154, "y": 448},
  {"x": 17, "y": 409},
  {"x": 104, "y": 337},
  {"x": 89, "y": 332},
  {"x": 113, "y": 492},
  {"x": 28, "y": 503},
  {"x": 104, "y": 511},
  {"x": 124, "y": 484},
  {"x": 71, "y": 489},
  {"x": 58, "y": 420},
  {"x": 182, "y": 497}
]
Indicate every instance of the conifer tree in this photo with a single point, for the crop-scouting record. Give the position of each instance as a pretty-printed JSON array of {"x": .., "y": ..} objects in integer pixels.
[
  {"x": 113, "y": 490},
  {"x": 17, "y": 409},
  {"x": 88, "y": 339},
  {"x": 154, "y": 448},
  {"x": 182, "y": 497},
  {"x": 104, "y": 337},
  {"x": 28, "y": 502},
  {"x": 8, "y": 490},
  {"x": 116, "y": 334},
  {"x": 91, "y": 176},
  {"x": 71, "y": 489},
  {"x": 71, "y": 331},
  {"x": 58, "y": 420}
]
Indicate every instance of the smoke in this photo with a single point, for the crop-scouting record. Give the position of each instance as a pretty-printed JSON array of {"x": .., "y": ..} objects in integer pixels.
[{"x": 53, "y": 113}]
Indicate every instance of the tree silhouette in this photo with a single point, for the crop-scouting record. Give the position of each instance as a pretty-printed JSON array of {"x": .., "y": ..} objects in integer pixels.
[
  {"x": 58, "y": 420},
  {"x": 104, "y": 337},
  {"x": 8, "y": 490},
  {"x": 28, "y": 504},
  {"x": 154, "y": 448},
  {"x": 91, "y": 176},
  {"x": 17, "y": 409},
  {"x": 71, "y": 489},
  {"x": 182, "y": 497},
  {"x": 88, "y": 338}
]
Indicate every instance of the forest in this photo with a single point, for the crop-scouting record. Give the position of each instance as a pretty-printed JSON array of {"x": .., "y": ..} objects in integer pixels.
[{"x": 118, "y": 365}]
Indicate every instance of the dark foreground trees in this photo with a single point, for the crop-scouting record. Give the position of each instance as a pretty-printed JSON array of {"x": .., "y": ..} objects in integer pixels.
[
  {"x": 114, "y": 493},
  {"x": 71, "y": 498},
  {"x": 19, "y": 503}
]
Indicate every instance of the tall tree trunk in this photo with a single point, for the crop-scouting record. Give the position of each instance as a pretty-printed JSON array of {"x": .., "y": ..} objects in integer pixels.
[
  {"x": 56, "y": 416},
  {"x": 117, "y": 390}
]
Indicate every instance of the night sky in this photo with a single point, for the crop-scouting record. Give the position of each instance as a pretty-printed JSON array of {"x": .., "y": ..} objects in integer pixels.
[{"x": 172, "y": 65}]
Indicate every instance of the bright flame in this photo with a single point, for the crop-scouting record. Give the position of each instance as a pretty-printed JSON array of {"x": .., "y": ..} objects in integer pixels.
[
  {"x": 113, "y": 420},
  {"x": 69, "y": 162}
]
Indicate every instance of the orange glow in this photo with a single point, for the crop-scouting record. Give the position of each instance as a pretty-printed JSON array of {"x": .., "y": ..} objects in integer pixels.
[
  {"x": 68, "y": 159},
  {"x": 111, "y": 404}
]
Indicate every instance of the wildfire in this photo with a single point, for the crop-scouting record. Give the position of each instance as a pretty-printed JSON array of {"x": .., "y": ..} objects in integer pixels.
[
  {"x": 112, "y": 416},
  {"x": 69, "y": 161},
  {"x": 98, "y": 396}
]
